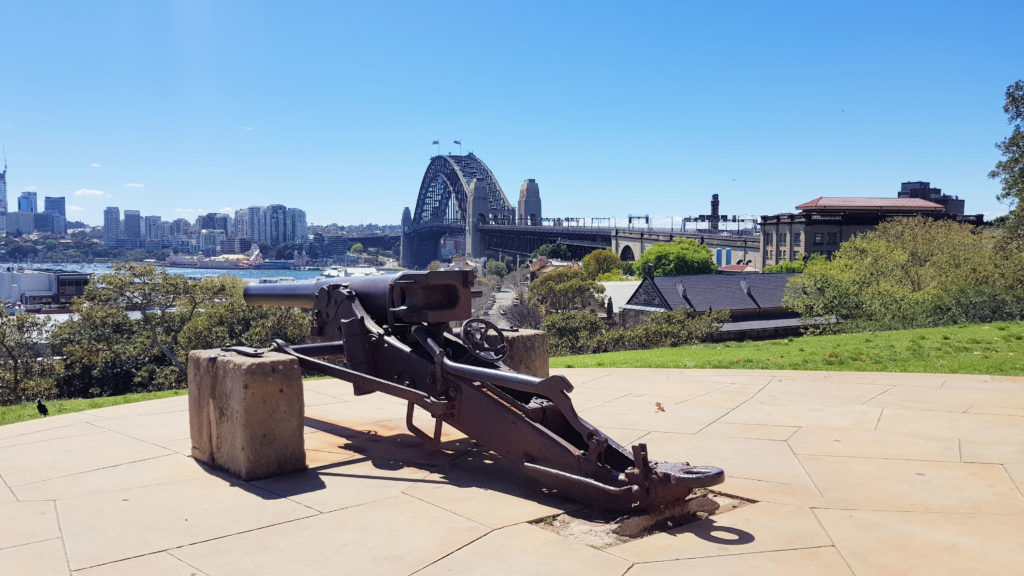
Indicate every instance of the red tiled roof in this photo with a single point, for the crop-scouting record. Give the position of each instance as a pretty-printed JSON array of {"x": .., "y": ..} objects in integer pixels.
[{"x": 898, "y": 204}]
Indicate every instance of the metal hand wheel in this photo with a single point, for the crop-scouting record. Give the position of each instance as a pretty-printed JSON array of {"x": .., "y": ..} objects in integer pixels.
[{"x": 484, "y": 340}]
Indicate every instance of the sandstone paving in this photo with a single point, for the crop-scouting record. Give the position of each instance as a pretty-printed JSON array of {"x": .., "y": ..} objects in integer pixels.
[
  {"x": 825, "y": 561},
  {"x": 6, "y": 495},
  {"x": 488, "y": 490},
  {"x": 984, "y": 428},
  {"x": 41, "y": 424},
  {"x": 102, "y": 528},
  {"x": 760, "y": 527},
  {"x": 394, "y": 536},
  {"x": 161, "y": 563},
  {"x": 26, "y": 463},
  {"x": 57, "y": 433},
  {"x": 875, "y": 542},
  {"x": 874, "y": 444},
  {"x": 528, "y": 551},
  {"x": 756, "y": 431},
  {"x": 37, "y": 559},
  {"x": 816, "y": 392},
  {"x": 992, "y": 453},
  {"x": 789, "y": 413},
  {"x": 1016, "y": 472},
  {"x": 914, "y": 485},
  {"x": 775, "y": 492},
  {"x": 149, "y": 473},
  {"x": 841, "y": 470},
  {"x": 156, "y": 428},
  {"x": 752, "y": 459},
  {"x": 27, "y": 522},
  {"x": 652, "y": 412}
]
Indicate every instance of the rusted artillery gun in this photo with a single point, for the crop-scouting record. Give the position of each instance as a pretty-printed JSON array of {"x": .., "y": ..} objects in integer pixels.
[{"x": 393, "y": 335}]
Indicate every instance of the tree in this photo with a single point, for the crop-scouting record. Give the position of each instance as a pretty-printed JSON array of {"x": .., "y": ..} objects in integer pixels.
[
  {"x": 166, "y": 302},
  {"x": 356, "y": 248},
  {"x": 1010, "y": 170},
  {"x": 435, "y": 265},
  {"x": 554, "y": 251},
  {"x": 572, "y": 332},
  {"x": 565, "y": 289},
  {"x": 680, "y": 256},
  {"x": 600, "y": 262},
  {"x": 912, "y": 273},
  {"x": 20, "y": 362},
  {"x": 496, "y": 268}
]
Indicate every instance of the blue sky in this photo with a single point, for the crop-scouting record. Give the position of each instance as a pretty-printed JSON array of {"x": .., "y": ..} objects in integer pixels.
[{"x": 173, "y": 108}]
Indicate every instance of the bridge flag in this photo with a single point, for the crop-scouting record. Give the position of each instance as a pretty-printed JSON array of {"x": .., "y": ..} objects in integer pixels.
[
  {"x": 435, "y": 142},
  {"x": 459, "y": 142}
]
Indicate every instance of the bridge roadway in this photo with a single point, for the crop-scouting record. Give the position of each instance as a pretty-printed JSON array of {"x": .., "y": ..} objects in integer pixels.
[{"x": 627, "y": 243}]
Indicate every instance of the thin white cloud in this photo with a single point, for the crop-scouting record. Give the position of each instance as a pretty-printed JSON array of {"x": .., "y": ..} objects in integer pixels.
[
  {"x": 31, "y": 189},
  {"x": 227, "y": 210},
  {"x": 134, "y": 185},
  {"x": 186, "y": 210},
  {"x": 75, "y": 208},
  {"x": 248, "y": 128},
  {"x": 94, "y": 165},
  {"x": 89, "y": 192}
]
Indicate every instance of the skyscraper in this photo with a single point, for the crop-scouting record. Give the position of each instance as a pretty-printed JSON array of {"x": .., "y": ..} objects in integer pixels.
[
  {"x": 3, "y": 199},
  {"x": 55, "y": 205},
  {"x": 296, "y": 225},
  {"x": 27, "y": 202},
  {"x": 132, "y": 228},
  {"x": 154, "y": 228},
  {"x": 112, "y": 225}
]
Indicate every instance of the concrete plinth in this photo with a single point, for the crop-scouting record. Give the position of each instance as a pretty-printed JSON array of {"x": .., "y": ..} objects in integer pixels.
[
  {"x": 528, "y": 352},
  {"x": 246, "y": 414}
]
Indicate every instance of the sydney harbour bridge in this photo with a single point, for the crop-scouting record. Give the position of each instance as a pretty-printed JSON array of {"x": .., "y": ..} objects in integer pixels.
[{"x": 460, "y": 197}]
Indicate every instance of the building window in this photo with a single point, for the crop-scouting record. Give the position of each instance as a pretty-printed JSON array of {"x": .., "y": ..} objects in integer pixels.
[
  {"x": 796, "y": 238},
  {"x": 768, "y": 238},
  {"x": 785, "y": 254},
  {"x": 819, "y": 238},
  {"x": 833, "y": 238},
  {"x": 782, "y": 237}
]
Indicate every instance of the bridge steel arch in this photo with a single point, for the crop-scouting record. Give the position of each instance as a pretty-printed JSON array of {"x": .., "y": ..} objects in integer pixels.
[{"x": 442, "y": 206}]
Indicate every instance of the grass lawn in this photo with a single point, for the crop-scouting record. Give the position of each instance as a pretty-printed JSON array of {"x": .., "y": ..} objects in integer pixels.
[
  {"x": 27, "y": 410},
  {"x": 966, "y": 349}
]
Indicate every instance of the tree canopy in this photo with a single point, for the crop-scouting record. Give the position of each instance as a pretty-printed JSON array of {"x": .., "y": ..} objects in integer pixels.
[
  {"x": 680, "y": 256},
  {"x": 1010, "y": 170},
  {"x": 565, "y": 289},
  {"x": 912, "y": 273},
  {"x": 601, "y": 262}
]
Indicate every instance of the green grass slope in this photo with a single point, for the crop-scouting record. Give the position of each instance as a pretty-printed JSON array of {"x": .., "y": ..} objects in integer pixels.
[{"x": 966, "y": 349}]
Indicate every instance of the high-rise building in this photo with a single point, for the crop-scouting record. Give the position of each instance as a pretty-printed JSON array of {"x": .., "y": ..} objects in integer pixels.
[
  {"x": 55, "y": 205},
  {"x": 27, "y": 202},
  {"x": 296, "y": 225},
  {"x": 154, "y": 227},
  {"x": 112, "y": 226},
  {"x": 3, "y": 199},
  {"x": 132, "y": 228},
  {"x": 20, "y": 222},
  {"x": 275, "y": 220},
  {"x": 254, "y": 228}
]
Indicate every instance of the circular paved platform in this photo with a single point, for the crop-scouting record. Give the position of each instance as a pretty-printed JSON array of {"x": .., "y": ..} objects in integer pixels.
[{"x": 851, "y": 473}]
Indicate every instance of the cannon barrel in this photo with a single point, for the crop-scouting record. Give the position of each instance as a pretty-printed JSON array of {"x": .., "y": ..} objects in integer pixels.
[{"x": 430, "y": 296}]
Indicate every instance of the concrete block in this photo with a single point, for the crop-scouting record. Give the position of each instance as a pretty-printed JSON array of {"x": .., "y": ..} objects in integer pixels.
[
  {"x": 246, "y": 414},
  {"x": 528, "y": 352}
]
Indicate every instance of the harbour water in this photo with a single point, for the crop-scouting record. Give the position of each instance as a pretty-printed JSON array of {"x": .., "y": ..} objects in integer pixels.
[{"x": 251, "y": 275}]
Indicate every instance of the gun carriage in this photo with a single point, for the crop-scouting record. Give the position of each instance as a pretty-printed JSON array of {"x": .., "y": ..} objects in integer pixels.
[{"x": 392, "y": 335}]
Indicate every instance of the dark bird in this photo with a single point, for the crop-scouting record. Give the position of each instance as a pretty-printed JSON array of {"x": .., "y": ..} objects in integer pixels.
[{"x": 42, "y": 407}]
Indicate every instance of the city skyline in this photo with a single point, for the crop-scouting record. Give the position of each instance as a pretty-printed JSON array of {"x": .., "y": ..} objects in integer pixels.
[{"x": 180, "y": 109}]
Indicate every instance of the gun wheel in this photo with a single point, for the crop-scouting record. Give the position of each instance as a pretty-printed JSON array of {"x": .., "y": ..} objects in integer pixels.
[{"x": 484, "y": 340}]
